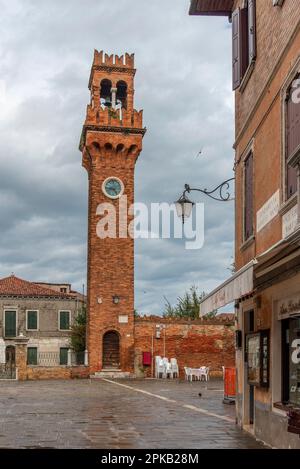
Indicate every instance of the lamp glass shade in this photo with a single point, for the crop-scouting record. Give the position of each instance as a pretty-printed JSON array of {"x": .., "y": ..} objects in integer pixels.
[
  {"x": 187, "y": 209},
  {"x": 184, "y": 207}
]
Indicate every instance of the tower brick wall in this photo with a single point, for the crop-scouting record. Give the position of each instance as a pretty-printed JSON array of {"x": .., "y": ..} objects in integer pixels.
[{"x": 111, "y": 142}]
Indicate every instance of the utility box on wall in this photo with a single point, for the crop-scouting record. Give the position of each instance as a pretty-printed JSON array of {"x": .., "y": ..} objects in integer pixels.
[{"x": 147, "y": 358}]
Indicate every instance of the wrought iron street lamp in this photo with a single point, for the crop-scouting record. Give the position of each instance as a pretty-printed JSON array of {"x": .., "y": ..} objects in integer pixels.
[{"x": 220, "y": 193}]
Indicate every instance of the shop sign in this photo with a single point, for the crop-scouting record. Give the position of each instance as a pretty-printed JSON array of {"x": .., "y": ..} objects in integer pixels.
[
  {"x": 289, "y": 307},
  {"x": 268, "y": 211},
  {"x": 289, "y": 222}
]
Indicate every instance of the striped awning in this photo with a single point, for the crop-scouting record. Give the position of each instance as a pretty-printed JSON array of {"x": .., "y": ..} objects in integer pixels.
[{"x": 211, "y": 7}]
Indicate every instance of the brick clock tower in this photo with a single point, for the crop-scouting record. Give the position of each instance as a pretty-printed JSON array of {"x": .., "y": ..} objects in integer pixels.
[{"x": 111, "y": 142}]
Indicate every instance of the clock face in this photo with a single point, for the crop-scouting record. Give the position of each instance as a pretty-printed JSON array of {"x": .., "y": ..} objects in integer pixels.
[{"x": 113, "y": 187}]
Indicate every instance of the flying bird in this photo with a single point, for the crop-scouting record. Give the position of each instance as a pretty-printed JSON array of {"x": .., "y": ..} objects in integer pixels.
[{"x": 199, "y": 153}]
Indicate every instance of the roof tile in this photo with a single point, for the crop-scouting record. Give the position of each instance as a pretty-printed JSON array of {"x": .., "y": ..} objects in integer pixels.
[{"x": 14, "y": 286}]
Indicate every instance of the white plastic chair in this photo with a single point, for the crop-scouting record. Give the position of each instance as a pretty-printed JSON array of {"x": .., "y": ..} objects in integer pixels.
[
  {"x": 168, "y": 370},
  {"x": 166, "y": 365},
  {"x": 204, "y": 372},
  {"x": 159, "y": 367},
  {"x": 187, "y": 372},
  {"x": 174, "y": 367}
]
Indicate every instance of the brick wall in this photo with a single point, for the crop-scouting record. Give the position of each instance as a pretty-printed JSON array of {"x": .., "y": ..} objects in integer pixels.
[
  {"x": 38, "y": 372},
  {"x": 274, "y": 28},
  {"x": 265, "y": 129},
  {"x": 193, "y": 343}
]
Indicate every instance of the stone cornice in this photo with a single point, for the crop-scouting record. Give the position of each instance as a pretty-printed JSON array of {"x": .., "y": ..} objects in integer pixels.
[{"x": 112, "y": 129}]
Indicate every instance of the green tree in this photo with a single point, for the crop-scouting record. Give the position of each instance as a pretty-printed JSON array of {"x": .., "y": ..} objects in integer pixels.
[
  {"x": 187, "y": 306},
  {"x": 78, "y": 334}
]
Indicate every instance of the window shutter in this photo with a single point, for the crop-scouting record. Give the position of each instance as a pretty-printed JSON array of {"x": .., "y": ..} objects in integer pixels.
[
  {"x": 236, "y": 56},
  {"x": 248, "y": 214},
  {"x": 293, "y": 121},
  {"x": 252, "y": 29},
  {"x": 32, "y": 320},
  {"x": 10, "y": 323},
  {"x": 244, "y": 41},
  {"x": 63, "y": 356},
  {"x": 293, "y": 139},
  {"x": 64, "y": 320},
  {"x": 31, "y": 356}
]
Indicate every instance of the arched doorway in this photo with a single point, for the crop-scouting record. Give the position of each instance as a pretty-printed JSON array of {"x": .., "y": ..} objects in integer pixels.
[
  {"x": 9, "y": 371},
  {"x": 111, "y": 350},
  {"x": 10, "y": 355}
]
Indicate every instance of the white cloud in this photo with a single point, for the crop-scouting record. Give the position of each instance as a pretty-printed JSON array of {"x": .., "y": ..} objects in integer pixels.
[{"x": 183, "y": 85}]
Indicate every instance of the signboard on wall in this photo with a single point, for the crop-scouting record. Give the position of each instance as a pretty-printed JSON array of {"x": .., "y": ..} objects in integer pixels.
[
  {"x": 289, "y": 221},
  {"x": 268, "y": 211},
  {"x": 289, "y": 307}
]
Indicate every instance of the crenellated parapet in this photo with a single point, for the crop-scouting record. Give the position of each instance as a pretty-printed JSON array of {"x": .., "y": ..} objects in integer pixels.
[
  {"x": 111, "y": 107},
  {"x": 96, "y": 115},
  {"x": 113, "y": 60}
]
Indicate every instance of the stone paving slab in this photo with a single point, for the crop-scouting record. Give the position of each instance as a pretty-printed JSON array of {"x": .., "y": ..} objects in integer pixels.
[{"x": 102, "y": 414}]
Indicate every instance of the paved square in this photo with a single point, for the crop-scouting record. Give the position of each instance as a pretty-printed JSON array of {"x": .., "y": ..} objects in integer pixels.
[{"x": 118, "y": 414}]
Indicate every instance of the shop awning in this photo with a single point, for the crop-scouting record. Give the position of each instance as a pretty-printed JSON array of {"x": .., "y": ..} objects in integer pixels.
[
  {"x": 240, "y": 284},
  {"x": 211, "y": 7}
]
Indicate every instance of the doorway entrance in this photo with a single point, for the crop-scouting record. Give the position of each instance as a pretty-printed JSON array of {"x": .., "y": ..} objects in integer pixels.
[
  {"x": 111, "y": 350},
  {"x": 249, "y": 393},
  {"x": 8, "y": 369}
]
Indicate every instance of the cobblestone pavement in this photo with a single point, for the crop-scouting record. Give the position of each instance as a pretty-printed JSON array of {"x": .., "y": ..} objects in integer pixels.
[{"x": 117, "y": 414}]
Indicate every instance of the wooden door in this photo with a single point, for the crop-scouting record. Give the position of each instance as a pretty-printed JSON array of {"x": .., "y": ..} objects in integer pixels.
[{"x": 111, "y": 350}]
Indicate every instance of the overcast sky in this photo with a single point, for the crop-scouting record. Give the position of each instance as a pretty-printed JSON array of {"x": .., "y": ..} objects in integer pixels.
[{"x": 183, "y": 83}]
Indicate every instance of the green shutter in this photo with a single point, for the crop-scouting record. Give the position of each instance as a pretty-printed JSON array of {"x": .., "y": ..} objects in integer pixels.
[
  {"x": 32, "y": 320},
  {"x": 63, "y": 356},
  {"x": 64, "y": 320},
  {"x": 10, "y": 323},
  {"x": 31, "y": 356}
]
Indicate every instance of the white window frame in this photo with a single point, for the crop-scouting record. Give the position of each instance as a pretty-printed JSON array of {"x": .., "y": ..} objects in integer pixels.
[
  {"x": 70, "y": 316},
  {"x": 17, "y": 319},
  {"x": 38, "y": 319}
]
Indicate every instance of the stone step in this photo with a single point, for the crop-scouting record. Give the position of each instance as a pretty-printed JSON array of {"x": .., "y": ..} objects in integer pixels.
[{"x": 112, "y": 374}]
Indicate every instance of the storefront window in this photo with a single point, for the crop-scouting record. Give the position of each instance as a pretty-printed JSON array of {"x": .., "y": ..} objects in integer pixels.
[
  {"x": 258, "y": 357},
  {"x": 291, "y": 361},
  {"x": 294, "y": 379}
]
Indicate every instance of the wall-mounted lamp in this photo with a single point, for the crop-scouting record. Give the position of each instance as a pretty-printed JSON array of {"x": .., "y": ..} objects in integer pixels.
[{"x": 116, "y": 299}]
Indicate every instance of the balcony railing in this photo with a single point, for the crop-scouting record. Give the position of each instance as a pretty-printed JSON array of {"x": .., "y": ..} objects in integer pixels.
[{"x": 53, "y": 359}]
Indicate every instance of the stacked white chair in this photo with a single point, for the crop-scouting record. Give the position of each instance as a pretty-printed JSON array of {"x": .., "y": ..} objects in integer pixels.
[
  {"x": 159, "y": 367},
  {"x": 174, "y": 367}
]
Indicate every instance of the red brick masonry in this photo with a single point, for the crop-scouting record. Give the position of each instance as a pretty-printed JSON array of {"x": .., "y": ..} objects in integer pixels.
[{"x": 194, "y": 343}]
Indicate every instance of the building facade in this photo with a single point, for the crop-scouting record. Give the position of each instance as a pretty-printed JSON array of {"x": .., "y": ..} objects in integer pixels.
[
  {"x": 111, "y": 142},
  {"x": 41, "y": 316},
  {"x": 266, "y": 285}
]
